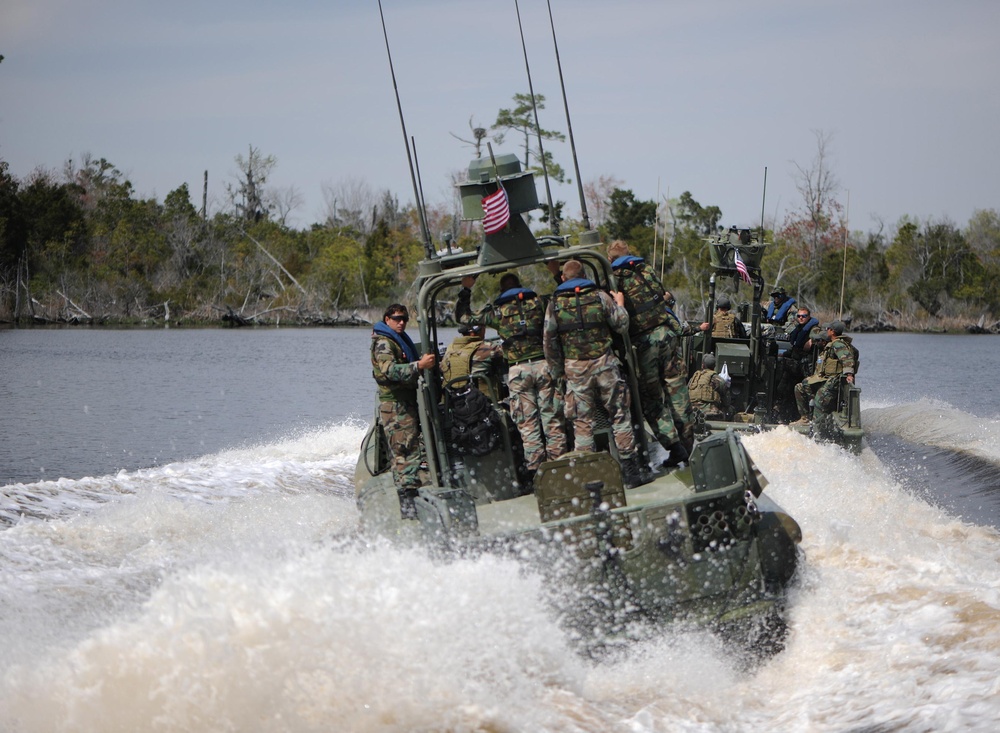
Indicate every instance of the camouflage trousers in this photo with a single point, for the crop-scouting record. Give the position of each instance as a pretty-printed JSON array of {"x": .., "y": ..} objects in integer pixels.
[
  {"x": 676, "y": 376},
  {"x": 401, "y": 424},
  {"x": 824, "y": 391},
  {"x": 598, "y": 382},
  {"x": 654, "y": 351},
  {"x": 536, "y": 405},
  {"x": 710, "y": 410}
]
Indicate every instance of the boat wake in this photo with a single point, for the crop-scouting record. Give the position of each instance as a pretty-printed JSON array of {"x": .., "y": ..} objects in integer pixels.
[
  {"x": 315, "y": 461},
  {"x": 938, "y": 424},
  {"x": 229, "y": 593}
]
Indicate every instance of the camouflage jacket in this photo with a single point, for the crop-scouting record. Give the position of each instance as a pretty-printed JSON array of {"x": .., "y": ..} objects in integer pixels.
[
  {"x": 645, "y": 296},
  {"x": 518, "y": 315},
  {"x": 396, "y": 377},
  {"x": 837, "y": 358},
  {"x": 579, "y": 322}
]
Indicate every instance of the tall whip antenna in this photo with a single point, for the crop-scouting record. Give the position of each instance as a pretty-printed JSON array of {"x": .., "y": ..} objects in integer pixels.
[
  {"x": 763, "y": 199},
  {"x": 428, "y": 247},
  {"x": 843, "y": 277},
  {"x": 553, "y": 222},
  {"x": 569, "y": 124}
]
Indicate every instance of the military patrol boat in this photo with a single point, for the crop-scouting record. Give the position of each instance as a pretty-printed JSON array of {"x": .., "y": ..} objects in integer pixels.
[
  {"x": 702, "y": 543},
  {"x": 761, "y": 378}
]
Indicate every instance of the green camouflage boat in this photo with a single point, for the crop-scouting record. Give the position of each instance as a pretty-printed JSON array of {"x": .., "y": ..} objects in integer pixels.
[
  {"x": 702, "y": 543},
  {"x": 758, "y": 366}
]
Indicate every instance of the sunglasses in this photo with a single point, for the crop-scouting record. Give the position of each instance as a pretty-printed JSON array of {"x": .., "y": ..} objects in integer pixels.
[
  {"x": 404, "y": 319},
  {"x": 802, "y": 315}
]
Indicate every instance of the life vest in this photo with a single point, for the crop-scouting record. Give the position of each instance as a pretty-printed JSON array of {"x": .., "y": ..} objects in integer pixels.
[
  {"x": 580, "y": 321},
  {"x": 520, "y": 317},
  {"x": 645, "y": 296},
  {"x": 798, "y": 336},
  {"x": 779, "y": 315},
  {"x": 832, "y": 358},
  {"x": 702, "y": 388}
]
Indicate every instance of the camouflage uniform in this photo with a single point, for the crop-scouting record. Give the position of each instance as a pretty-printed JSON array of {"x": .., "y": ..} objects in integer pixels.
[
  {"x": 578, "y": 326},
  {"x": 709, "y": 394},
  {"x": 655, "y": 343},
  {"x": 837, "y": 359},
  {"x": 536, "y": 402},
  {"x": 676, "y": 376},
  {"x": 397, "y": 408}
]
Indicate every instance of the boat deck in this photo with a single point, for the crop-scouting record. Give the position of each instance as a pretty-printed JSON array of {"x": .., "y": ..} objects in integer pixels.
[{"x": 522, "y": 514}]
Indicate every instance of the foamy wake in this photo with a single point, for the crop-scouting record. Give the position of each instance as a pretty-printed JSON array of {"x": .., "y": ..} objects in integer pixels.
[
  {"x": 934, "y": 423},
  {"x": 245, "y": 615},
  {"x": 315, "y": 461}
]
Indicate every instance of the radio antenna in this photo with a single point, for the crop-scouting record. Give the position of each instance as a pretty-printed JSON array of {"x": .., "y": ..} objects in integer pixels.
[
  {"x": 428, "y": 247},
  {"x": 569, "y": 124},
  {"x": 763, "y": 198},
  {"x": 553, "y": 222}
]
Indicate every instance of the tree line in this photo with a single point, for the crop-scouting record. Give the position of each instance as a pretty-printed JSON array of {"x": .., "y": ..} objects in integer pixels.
[{"x": 79, "y": 246}]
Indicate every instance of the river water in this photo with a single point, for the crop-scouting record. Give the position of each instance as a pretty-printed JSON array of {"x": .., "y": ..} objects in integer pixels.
[{"x": 175, "y": 555}]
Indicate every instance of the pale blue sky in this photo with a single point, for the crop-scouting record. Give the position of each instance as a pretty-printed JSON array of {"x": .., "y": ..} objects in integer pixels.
[{"x": 695, "y": 95}]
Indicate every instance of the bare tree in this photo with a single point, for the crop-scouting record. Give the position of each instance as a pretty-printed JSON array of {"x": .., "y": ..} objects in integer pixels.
[
  {"x": 479, "y": 134},
  {"x": 249, "y": 197},
  {"x": 598, "y": 194},
  {"x": 818, "y": 186},
  {"x": 283, "y": 201},
  {"x": 350, "y": 202}
]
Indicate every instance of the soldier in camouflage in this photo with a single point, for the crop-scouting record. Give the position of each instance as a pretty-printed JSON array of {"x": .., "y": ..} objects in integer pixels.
[
  {"x": 396, "y": 366},
  {"x": 470, "y": 355},
  {"x": 676, "y": 375},
  {"x": 838, "y": 358},
  {"x": 724, "y": 324},
  {"x": 536, "y": 402},
  {"x": 655, "y": 344},
  {"x": 709, "y": 391},
  {"x": 578, "y": 327}
]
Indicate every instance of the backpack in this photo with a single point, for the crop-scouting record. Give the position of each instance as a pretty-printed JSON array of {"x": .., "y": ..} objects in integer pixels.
[{"x": 474, "y": 426}]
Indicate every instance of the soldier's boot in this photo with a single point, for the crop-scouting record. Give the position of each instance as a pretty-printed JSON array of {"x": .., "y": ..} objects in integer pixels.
[
  {"x": 678, "y": 454},
  {"x": 407, "y": 503},
  {"x": 632, "y": 472},
  {"x": 527, "y": 482}
]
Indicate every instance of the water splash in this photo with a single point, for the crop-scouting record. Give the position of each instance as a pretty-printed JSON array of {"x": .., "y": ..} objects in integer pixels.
[
  {"x": 935, "y": 423},
  {"x": 230, "y": 593}
]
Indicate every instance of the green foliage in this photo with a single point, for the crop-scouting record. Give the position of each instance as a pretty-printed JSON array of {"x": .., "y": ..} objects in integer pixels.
[
  {"x": 55, "y": 232},
  {"x": 87, "y": 237},
  {"x": 381, "y": 262},
  {"x": 12, "y": 222},
  {"x": 520, "y": 119},
  {"x": 688, "y": 261},
  {"x": 702, "y": 220},
  {"x": 631, "y": 220}
]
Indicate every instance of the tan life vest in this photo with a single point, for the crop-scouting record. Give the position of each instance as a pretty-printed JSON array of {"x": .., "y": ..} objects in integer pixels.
[
  {"x": 702, "y": 388},
  {"x": 725, "y": 325}
]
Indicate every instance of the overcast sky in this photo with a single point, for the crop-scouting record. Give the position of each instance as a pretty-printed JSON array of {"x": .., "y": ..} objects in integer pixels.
[{"x": 667, "y": 96}]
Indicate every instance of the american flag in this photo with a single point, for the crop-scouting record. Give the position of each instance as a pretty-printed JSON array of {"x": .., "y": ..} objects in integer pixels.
[
  {"x": 742, "y": 268},
  {"x": 496, "y": 211}
]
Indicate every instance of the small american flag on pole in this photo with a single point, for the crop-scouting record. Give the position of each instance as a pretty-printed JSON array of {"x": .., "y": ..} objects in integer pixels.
[
  {"x": 742, "y": 268},
  {"x": 496, "y": 211}
]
